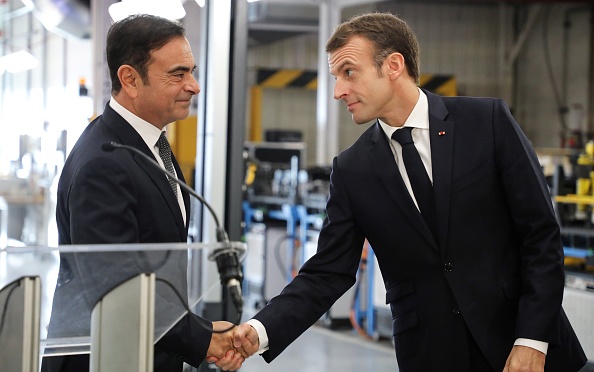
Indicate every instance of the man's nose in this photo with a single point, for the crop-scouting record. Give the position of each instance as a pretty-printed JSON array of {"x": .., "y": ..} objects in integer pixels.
[
  {"x": 193, "y": 86},
  {"x": 339, "y": 90}
]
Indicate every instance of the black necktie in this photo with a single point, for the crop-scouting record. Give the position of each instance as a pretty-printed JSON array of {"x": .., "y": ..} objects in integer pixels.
[
  {"x": 165, "y": 154},
  {"x": 419, "y": 180}
]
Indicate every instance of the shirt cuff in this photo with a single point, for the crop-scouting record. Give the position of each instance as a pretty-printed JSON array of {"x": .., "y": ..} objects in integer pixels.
[
  {"x": 538, "y": 345},
  {"x": 262, "y": 335}
]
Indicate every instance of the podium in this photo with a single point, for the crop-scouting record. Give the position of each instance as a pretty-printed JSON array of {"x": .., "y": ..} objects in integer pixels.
[
  {"x": 19, "y": 325},
  {"x": 110, "y": 301}
]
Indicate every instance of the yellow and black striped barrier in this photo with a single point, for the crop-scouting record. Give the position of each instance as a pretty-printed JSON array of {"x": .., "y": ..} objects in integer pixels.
[
  {"x": 284, "y": 78},
  {"x": 444, "y": 85},
  {"x": 308, "y": 79}
]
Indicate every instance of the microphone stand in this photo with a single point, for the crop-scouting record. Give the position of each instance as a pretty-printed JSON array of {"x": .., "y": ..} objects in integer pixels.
[{"x": 226, "y": 258}]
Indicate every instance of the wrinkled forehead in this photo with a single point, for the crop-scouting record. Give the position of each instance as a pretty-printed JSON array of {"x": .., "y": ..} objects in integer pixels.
[{"x": 356, "y": 51}]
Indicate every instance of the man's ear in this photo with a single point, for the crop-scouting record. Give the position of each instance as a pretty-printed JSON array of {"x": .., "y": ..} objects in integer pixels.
[
  {"x": 395, "y": 65},
  {"x": 129, "y": 78}
]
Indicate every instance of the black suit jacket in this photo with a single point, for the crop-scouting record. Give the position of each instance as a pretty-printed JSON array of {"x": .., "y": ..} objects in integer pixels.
[
  {"x": 117, "y": 197},
  {"x": 494, "y": 269}
]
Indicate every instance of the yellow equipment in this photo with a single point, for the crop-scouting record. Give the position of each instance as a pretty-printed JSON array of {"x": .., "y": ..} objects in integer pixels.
[{"x": 584, "y": 180}]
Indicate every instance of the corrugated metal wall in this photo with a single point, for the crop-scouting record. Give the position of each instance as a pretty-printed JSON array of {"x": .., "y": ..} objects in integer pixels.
[
  {"x": 458, "y": 40},
  {"x": 537, "y": 107}
]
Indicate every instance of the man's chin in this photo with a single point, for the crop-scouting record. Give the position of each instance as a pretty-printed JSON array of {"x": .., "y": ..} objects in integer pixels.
[
  {"x": 360, "y": 121},
  {"x": 182, "y": 114}
]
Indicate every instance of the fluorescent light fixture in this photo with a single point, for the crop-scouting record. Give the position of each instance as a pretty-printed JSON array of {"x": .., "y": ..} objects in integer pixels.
[
  {"x": 170, "y": 9},
  {"x": 18, "y": 61}
]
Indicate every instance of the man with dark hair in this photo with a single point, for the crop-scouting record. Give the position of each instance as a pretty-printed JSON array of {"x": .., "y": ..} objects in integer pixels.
[
  {"x": 450, "y": 195},
  {"x": 118, "y": 198}
]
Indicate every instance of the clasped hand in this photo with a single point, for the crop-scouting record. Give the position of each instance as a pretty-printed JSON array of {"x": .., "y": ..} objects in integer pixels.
[{"x": 229, "y": 350}]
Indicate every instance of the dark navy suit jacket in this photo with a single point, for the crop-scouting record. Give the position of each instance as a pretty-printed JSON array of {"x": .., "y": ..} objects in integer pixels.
[
  {"x": 111, "y": 198},
  {"x": 495, "y": 269}
]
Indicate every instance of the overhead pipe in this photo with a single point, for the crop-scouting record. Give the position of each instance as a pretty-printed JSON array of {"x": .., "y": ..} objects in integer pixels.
[
  {"x": 591, "y": 74},
  {"x": 26, "y": 8},
  {"x": 564, "y": 79}
]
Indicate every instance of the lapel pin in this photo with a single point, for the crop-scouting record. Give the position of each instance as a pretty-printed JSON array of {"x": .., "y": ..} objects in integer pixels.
[{"x": 441, "y": 133}]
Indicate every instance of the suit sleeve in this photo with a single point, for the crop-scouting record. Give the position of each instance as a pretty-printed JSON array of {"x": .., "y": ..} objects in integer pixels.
[
  {"x": 531, "y": 210},
  {"x": 188, "y": 339},
  {"x": 322, "y": 279}
]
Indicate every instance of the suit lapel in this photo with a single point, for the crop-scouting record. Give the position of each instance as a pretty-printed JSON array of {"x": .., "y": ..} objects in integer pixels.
[
  {"x": 441, "y": 135},
  {"x": 382, "y": 161},
  {"x": 164, "y": 187},
  {"x": 128, "y": 136}
]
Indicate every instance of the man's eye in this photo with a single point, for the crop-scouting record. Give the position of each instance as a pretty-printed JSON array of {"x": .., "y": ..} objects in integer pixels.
[{"x": 349, "y": 72}]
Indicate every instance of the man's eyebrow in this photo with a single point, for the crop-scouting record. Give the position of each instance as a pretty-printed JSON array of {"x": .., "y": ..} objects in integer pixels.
[
  {"x": 342, "y": 65},
  {"x": 181, "y": 68}
]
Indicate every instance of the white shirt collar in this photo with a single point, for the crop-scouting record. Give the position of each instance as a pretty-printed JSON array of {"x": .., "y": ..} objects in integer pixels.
[
  {"x": 418, "y": 118},
  {"x": 149, "y": 133}
]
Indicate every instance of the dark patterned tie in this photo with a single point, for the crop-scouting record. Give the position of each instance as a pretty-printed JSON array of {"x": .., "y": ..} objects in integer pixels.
[
  {"x": 417, "y": 174},
  {"x": 165, "y": 154}
]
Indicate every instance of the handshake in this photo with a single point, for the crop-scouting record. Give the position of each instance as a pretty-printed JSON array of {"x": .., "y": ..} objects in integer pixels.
[{"x": 230, "y": 349}]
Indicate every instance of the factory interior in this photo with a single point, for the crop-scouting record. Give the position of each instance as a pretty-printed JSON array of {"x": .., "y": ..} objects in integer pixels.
[{"x": 259, "y": 142}]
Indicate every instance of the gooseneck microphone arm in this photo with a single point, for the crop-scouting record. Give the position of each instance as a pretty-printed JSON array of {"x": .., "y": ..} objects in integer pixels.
[
  {"x": 111, "y": 146},
  {"x": 227, "y": 261}
]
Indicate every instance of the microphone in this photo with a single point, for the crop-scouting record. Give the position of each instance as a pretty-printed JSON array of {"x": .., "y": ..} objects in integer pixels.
[{"x": 226, "y": 258}]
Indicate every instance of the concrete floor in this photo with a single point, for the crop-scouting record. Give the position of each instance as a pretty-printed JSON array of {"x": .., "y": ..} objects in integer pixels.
[{"x": 322, "y": 350}]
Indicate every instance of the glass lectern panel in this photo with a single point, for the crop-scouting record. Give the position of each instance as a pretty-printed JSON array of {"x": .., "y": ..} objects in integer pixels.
[{"x": 74, "y": 278}]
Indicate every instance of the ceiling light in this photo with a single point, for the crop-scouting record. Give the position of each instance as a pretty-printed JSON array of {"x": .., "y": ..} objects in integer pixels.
[
  {"x": 18, "y": 61},
  {"x": 170, "y": 9}
]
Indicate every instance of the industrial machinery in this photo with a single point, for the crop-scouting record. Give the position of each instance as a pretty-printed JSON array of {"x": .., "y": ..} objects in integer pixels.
[
  {"x": 574, "y": 201},
  {"x": 272, "y": 172},
  {"x": 584, "y": 170},
  {"x": 284, "y": 207}
]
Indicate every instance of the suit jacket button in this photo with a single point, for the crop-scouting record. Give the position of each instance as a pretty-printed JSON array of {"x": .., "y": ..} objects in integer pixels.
[
  {"x": 456, "y": 311},
  {"x": 448, "y": 267}
]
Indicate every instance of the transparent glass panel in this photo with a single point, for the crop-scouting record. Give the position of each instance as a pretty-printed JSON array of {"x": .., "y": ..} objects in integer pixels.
[{"x": 74, "y": 278}]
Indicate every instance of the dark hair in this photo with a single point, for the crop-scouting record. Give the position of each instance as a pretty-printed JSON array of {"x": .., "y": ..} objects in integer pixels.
[
  {"x": 131, "y": 41},
  {"x": 387, "y": 32}
]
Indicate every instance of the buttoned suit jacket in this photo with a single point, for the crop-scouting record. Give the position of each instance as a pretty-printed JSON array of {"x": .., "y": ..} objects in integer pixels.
[
  {"x": 494, "y": 268},
  {"x": 113, "y": 198}
]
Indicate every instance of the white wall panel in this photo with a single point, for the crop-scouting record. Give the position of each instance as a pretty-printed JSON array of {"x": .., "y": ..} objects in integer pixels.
[{"x": 578, "y": 305}]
